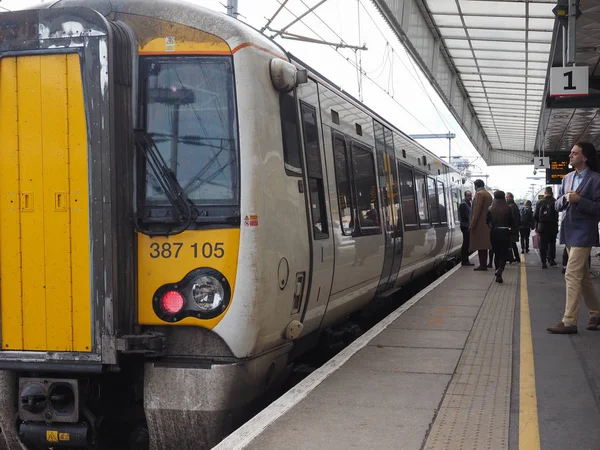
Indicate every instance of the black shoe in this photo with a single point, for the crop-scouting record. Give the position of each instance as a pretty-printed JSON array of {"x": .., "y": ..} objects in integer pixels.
[
  {"x": 527, "y": 250},
  {"x": 544, "y": 266},
  {"x": 522, "y": 252},
  {"x": 489, "y": 265},
  {"x": 552, "y": 262},
  {"x": 563, "y": 270},
  {"x": 467, "y": 264},
  {"x": 499, "y": 279}
]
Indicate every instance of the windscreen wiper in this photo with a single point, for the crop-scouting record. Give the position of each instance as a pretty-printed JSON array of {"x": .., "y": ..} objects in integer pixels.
[{"x": 183, "y": 210}]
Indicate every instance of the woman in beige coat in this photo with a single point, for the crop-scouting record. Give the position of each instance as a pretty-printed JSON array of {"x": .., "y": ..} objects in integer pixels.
[{"x": 480, "y": 231}]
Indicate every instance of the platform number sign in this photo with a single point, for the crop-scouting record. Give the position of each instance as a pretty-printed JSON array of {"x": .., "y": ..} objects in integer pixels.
[
  {"x": 541, "y": 162},
  {"x": 569, "y": 81}
]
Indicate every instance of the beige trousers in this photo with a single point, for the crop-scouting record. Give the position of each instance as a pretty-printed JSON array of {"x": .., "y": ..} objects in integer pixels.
[{"x": 578, "y": 282}]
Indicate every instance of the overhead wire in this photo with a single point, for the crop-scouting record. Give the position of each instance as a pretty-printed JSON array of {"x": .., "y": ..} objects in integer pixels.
[
  {"x": 356, "y": 67},
  {"x": 416, "y": 78}
]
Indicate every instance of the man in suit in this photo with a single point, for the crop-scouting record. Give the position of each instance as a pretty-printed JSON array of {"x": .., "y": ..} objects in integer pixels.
[
  {"x": 464, "y": 213},
  {"x": 480, "y": 232},
  {"x": 579, "y": 198}
]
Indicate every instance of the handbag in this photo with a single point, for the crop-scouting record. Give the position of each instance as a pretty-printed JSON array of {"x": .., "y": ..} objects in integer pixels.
[{"x": 536, "y": 240}]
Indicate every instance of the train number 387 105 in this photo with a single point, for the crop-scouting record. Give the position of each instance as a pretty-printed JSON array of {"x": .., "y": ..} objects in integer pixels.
[{"x": 168, "y": 250}]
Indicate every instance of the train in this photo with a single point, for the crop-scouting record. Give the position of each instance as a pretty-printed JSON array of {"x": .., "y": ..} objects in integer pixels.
[{"x": 185, "y": 208}]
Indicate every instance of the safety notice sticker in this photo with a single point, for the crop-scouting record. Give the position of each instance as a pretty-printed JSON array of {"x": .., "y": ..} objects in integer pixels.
[{"x": 251, "y": 220}]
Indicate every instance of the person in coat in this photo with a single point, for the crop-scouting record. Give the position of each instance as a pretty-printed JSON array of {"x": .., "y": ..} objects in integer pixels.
[
  {"x": 546, "y": 218},
  {"x": 579, "y": 197},
  {"x": 513, "y": 254},
  {"x": 527, "y": 224},
  {"x": 480, "y": 232},
  {"x": 464, "y": 214},
  {"x": 501, "y": 220}
]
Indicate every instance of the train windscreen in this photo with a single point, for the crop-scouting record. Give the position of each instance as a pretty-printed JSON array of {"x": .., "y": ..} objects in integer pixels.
[{"x": 189, "y": 112}]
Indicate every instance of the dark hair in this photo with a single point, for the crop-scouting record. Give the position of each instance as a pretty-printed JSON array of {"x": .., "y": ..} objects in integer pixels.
[
  {"x": 589, "y": 151},
  {"x": 479, "y": 184},
  {"x": 548, "y": 190},
  {"x": 499, "y": 209},
  {"x": 528, "y": 203}
]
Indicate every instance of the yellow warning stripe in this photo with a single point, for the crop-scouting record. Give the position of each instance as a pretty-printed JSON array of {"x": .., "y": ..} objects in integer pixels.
[{"x": 529, "y": 432}]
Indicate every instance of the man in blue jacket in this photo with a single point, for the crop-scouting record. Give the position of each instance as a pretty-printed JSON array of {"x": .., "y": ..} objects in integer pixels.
[{"x": 579, "y": 197}]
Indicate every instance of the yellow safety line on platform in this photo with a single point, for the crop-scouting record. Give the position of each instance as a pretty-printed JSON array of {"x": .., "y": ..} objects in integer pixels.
[{"x": 529, "y": 432}]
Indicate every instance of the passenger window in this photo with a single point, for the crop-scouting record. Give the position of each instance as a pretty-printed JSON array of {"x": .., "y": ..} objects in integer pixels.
[
  {"x": 289, "y": 129},
  {"x": 457, "y": 199},
  {"x": 434, "y": 209},
  {"x": 315, "y": 173},
  {"x": 407, "y": 193},
  {"x": 422, "y": 199},
  {"x": 442, "y": 203},
  {"x": 342, "y": 178},
  {"x": 365, "y": 183}
]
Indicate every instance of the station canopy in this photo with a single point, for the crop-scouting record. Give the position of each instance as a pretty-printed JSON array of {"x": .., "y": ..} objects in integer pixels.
[{"x": 488, "y": 60}]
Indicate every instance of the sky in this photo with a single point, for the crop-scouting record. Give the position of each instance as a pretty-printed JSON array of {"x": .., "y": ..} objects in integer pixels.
[{"x": 393, "y": 85}]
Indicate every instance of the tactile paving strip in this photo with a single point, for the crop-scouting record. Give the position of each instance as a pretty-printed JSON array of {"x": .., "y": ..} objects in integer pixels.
[{"x": 475, "y": 412}]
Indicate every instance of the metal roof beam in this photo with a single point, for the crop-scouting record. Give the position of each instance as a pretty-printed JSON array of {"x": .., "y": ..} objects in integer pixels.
[
  {"x": 499, "y": 16},
  {"x": 546, "y": 30},
  {"x": 515, "y": 41},
  {"x": 538, "y": 52}
]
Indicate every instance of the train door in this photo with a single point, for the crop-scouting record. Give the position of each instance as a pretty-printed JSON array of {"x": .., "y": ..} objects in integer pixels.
[
  {"x": 321, "y": 239},
  {"x": 388, "y": 185}
]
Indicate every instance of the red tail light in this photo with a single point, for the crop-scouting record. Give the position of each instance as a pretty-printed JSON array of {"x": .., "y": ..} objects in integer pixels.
[{"x": 172, "y": 302}]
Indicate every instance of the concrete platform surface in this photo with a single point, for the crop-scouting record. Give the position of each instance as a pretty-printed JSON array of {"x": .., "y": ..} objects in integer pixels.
[{"x": 449, "y": 370}]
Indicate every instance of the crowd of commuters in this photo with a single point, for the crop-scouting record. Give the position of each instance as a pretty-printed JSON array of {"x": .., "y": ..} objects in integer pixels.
[{"x": 493, "y": 225}]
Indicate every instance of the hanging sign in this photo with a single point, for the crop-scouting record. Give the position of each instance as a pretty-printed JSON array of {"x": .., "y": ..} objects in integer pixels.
[
  {"x": 569, "y": 81},
  {"x": 540, "y": 162}
]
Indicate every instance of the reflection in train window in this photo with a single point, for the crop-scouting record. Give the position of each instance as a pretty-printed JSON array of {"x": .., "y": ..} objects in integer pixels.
[
  {"x": 442, "y": 203},
  {"x": 189, "y": 112},
  {"x": 314, "y": 172},
  {"x": 289, "y": 129},
  {"x": 422, "y": 199},
  {"x": 319, "y": 219},
  {"x": 456, "y": 199},
  {"x": 434, "y": 208},
  {"x": 407, "y": 192},
  {"x": 342, "y": 178},
  {"x": 367, "y": 203}
]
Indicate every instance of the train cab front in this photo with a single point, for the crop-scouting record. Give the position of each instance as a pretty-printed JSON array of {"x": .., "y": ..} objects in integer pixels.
[{"x": 119, "y": 223}]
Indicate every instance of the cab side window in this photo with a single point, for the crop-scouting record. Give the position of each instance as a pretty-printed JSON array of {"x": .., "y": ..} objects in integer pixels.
[{"x": 290, "y": 132}]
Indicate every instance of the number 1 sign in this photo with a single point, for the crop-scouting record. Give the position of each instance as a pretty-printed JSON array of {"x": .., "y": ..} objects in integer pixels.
[
  {"x": 540, "y": 162},
  {"x": 569, "y": 81}
]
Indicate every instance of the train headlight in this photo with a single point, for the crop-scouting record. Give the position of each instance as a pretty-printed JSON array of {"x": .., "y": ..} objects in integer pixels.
[
  {"x": 208, "y": 293},
  {"x": 203, "y": 293}
]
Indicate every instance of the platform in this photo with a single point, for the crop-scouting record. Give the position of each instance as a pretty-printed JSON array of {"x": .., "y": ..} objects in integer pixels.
[{"x": 456, "y": 367}]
